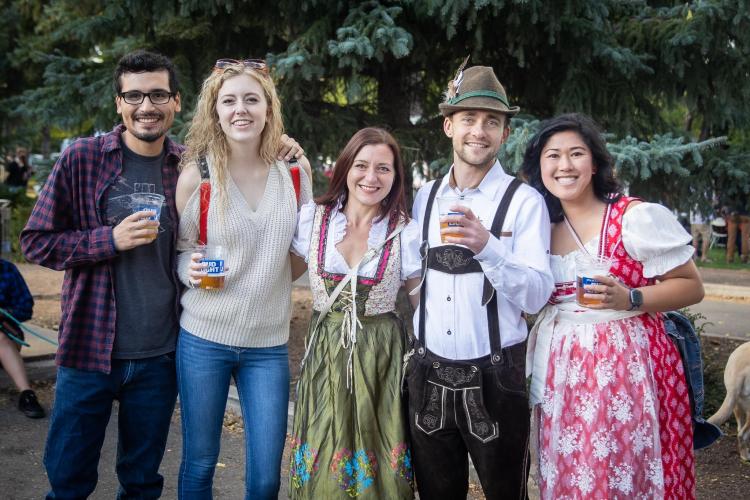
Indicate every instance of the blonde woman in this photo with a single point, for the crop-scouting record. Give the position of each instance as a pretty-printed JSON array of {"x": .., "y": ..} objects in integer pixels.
[{"x": 229, "y": 332}]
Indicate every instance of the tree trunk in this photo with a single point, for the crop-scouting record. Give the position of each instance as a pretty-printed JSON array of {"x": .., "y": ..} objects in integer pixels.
[
  {"x": 45, "y": 141},
  {"x": 394, "y": 103}
]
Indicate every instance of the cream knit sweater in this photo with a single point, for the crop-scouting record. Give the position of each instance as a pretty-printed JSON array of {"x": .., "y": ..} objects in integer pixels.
[{"x": 253, "y": 308}]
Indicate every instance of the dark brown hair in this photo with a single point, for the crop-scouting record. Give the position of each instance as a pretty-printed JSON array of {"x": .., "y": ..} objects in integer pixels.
[
  {"x": 337, "y": 190},
  {"x": 142, "y": 61}
]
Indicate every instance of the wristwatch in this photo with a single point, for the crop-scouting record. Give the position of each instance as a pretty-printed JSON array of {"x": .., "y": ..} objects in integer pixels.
[{"x": 636, "y": 299}]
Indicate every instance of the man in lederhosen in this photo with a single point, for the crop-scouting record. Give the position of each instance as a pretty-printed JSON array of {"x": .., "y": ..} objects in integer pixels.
[{"x": 466, "y": 377}]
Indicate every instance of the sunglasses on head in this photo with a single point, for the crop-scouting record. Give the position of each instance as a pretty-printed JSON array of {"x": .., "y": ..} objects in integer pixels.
[{"x": 258, "y": 64}]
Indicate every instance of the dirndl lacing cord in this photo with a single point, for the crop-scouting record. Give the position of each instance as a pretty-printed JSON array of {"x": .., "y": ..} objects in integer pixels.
[{"x": 349, "y": 326}]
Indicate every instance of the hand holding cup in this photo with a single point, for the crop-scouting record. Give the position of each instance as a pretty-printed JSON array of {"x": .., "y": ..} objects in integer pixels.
[
  {"x": 196, "y": 269},
  {"x": 135, "y": 230},
  {"x": 207, "y": 269}
]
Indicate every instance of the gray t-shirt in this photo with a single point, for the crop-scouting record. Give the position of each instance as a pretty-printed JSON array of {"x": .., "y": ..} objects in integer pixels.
[{"x": 147, "y": 323}]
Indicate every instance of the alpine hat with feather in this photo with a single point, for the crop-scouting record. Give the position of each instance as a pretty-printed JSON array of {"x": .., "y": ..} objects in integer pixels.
[{"x": 476, "y": 87}]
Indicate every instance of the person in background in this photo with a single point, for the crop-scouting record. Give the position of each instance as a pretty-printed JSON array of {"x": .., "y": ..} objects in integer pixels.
[
  {"x": 16, "y": 301},
  {"x": 737, "y": 215},
  {"x": 700, "y": 230},
  {"x": 19, "y": 171}
]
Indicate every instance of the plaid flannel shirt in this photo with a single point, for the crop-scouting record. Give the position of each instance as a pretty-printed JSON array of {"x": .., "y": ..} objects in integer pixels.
[{"x": 67, "y": 231}]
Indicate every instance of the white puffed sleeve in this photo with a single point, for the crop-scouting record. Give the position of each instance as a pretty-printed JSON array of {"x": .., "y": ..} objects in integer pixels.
[
  {"x": 411, "y": 263},
  {"x": 303, "y": 233},
  {"x": 652, "y": 235}
]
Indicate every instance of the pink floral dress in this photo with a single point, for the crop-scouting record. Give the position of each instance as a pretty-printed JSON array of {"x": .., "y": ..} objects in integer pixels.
[{"x": 613, "y": 414}]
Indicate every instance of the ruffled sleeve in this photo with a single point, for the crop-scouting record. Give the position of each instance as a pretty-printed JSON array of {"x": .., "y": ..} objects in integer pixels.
[
  {"x": 411, "y": 263},
  {"x": 652, "y": 235},
  {"x": 301, "y": 241}
]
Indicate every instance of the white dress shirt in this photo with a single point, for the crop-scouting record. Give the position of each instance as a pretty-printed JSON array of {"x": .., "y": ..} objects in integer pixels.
[{"x": 516, "y": 265}]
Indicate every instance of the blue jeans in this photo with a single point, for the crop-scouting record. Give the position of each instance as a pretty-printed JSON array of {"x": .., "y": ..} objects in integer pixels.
[
  {"x": 262, "y": 377},
  {"x": 146, "y": 390}
]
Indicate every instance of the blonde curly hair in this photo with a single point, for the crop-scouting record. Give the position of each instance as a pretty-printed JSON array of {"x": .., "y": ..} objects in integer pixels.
[{"x": 206, "y": 137}]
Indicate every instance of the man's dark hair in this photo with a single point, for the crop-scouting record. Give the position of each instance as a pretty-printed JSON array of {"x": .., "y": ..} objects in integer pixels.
[
  {"x": 606, "y": 185},
  {"x": 142, "y": 61}
]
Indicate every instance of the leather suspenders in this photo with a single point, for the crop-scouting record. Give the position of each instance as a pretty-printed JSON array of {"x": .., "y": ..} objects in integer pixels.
[{"x": 454, "y": 259}]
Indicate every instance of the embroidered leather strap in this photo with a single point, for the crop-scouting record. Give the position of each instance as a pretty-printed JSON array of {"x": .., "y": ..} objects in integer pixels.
[
  {"x": 453, "y": 259},
  {"x": 489, "y": 297}
]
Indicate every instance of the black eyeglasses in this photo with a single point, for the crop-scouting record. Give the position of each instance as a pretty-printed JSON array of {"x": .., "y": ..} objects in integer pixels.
[
  {"x": 258, "y": 64},
  {"x": 137, "y": 97}
]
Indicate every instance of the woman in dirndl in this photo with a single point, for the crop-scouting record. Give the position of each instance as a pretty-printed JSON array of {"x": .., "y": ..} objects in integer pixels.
[
  {"x": 611, "y": 406},
  {"x": 349, "y": 432}
]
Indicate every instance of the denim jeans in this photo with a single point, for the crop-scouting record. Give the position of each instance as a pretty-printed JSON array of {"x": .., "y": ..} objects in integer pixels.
[
  {"x": 204, "y": 369},
  {"x": 146, "y": 390}
]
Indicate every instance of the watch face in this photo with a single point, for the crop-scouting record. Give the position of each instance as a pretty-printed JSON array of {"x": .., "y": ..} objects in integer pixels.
[{"x": 636, "y": 297}]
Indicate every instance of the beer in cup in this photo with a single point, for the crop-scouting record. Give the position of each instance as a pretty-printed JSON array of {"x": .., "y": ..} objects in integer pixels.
[
  {"x": 444, "y": 208},
  {"x": 213, "y": 256},
  {"x": 586, "y": 268},
  {"x": 143, "y": 202}
]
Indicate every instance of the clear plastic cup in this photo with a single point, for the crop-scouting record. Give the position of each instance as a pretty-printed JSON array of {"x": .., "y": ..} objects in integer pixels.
[
  {"x": 143, "y": 202},
  {"x": 586, "y": 268},
  {"x": 445, "y": 203},
  {"x": 148, "y": 201},
  {"x": 214, "y": 256}
]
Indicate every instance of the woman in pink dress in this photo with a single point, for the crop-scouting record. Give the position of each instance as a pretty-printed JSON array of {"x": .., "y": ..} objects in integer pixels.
[{"x": 611, "y": 405}]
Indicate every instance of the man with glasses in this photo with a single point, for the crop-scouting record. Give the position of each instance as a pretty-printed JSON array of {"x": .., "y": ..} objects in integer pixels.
[{"x": 120, "y": 295}]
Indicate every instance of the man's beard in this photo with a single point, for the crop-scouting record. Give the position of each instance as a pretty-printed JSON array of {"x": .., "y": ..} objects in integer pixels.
[
  {"x": 483, "y": 163},
  {"x": 152, "y": 136}
]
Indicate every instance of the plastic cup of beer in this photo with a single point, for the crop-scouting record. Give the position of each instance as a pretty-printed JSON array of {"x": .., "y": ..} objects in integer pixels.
[
  {"x": 587, "y": 267},
  {"x": 143, "y": 202},
  {"x": 445, "y": 204},
  {"x": 213, "y": 256}
]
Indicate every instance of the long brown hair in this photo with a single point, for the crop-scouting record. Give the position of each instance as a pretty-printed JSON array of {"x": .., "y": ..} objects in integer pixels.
[{"x": 337, "y": 190}]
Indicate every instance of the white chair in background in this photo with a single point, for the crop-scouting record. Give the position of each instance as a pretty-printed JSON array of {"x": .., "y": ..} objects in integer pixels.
[{"x": 718, "y": 233}]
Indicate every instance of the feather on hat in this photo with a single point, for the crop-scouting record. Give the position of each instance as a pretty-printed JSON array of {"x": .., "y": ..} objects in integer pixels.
[{"x": 476, "y": 87}]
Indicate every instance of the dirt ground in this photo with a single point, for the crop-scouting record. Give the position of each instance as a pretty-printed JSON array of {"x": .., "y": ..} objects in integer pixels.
[{"x": 720, "y": 472}]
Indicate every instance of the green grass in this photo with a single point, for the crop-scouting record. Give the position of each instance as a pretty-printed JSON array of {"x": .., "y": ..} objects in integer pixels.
[{"x": 718, "y": 256}]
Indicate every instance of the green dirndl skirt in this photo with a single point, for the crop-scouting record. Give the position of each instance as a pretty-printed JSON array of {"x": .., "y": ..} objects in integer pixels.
[{"x": 351, "y": 441}]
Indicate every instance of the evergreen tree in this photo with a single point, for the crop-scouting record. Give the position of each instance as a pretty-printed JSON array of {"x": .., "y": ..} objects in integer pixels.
[{"x": 655, "y": 74}]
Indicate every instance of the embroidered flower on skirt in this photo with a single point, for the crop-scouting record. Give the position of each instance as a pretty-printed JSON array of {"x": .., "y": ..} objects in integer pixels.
[
  {"x": 401, "y": 462},
  {"x": 304, "y": 463},
  {"x": 354, "y": 472}
]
